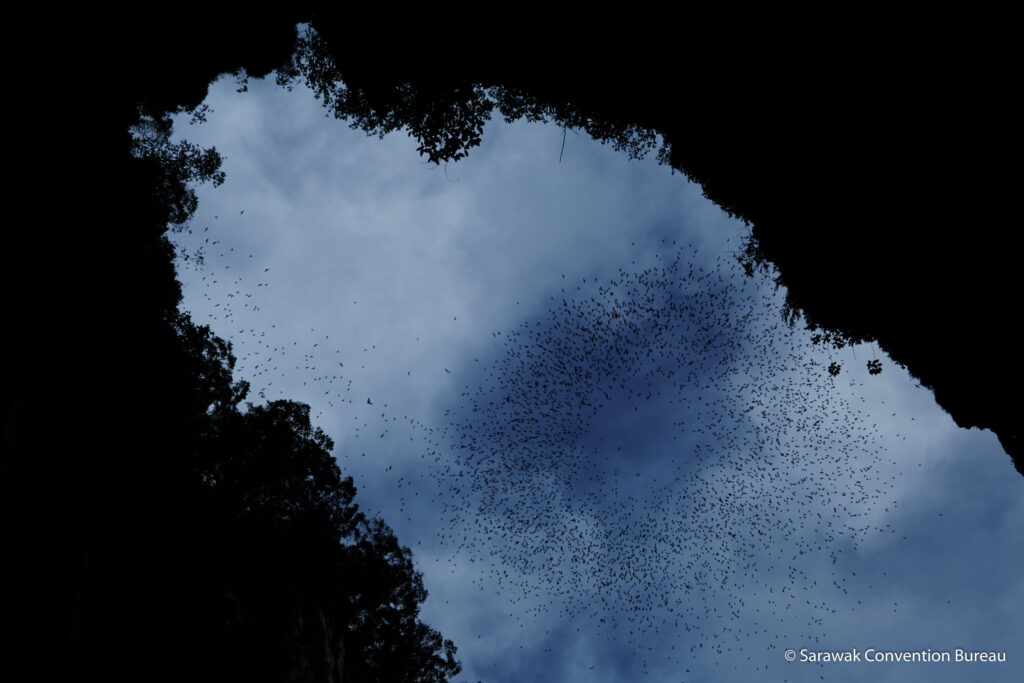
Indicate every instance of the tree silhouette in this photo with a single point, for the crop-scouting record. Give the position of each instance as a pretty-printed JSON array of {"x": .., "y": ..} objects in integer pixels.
[
  {"x": 287, "y": 525},
  {"x": 161, "y": 527}
]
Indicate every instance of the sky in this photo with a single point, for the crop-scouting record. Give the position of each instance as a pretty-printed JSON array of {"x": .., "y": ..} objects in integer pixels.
[{"x": 611, "y": 458}]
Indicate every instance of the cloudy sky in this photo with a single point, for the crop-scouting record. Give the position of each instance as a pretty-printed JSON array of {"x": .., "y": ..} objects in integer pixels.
[{"x": 612, "y": 459}]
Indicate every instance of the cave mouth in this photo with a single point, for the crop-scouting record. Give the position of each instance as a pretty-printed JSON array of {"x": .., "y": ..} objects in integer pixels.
[{"x": 96, "y": 119}]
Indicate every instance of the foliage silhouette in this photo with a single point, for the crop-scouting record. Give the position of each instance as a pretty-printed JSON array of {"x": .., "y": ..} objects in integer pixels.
[
  {"x": 179, "y": 166},
  {"x": 276, "y": 494},
  {"x": 164, "y": 529}
]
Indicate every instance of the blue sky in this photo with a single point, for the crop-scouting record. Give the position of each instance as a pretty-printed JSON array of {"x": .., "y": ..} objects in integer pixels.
[{"x": 612, "y": 459}]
